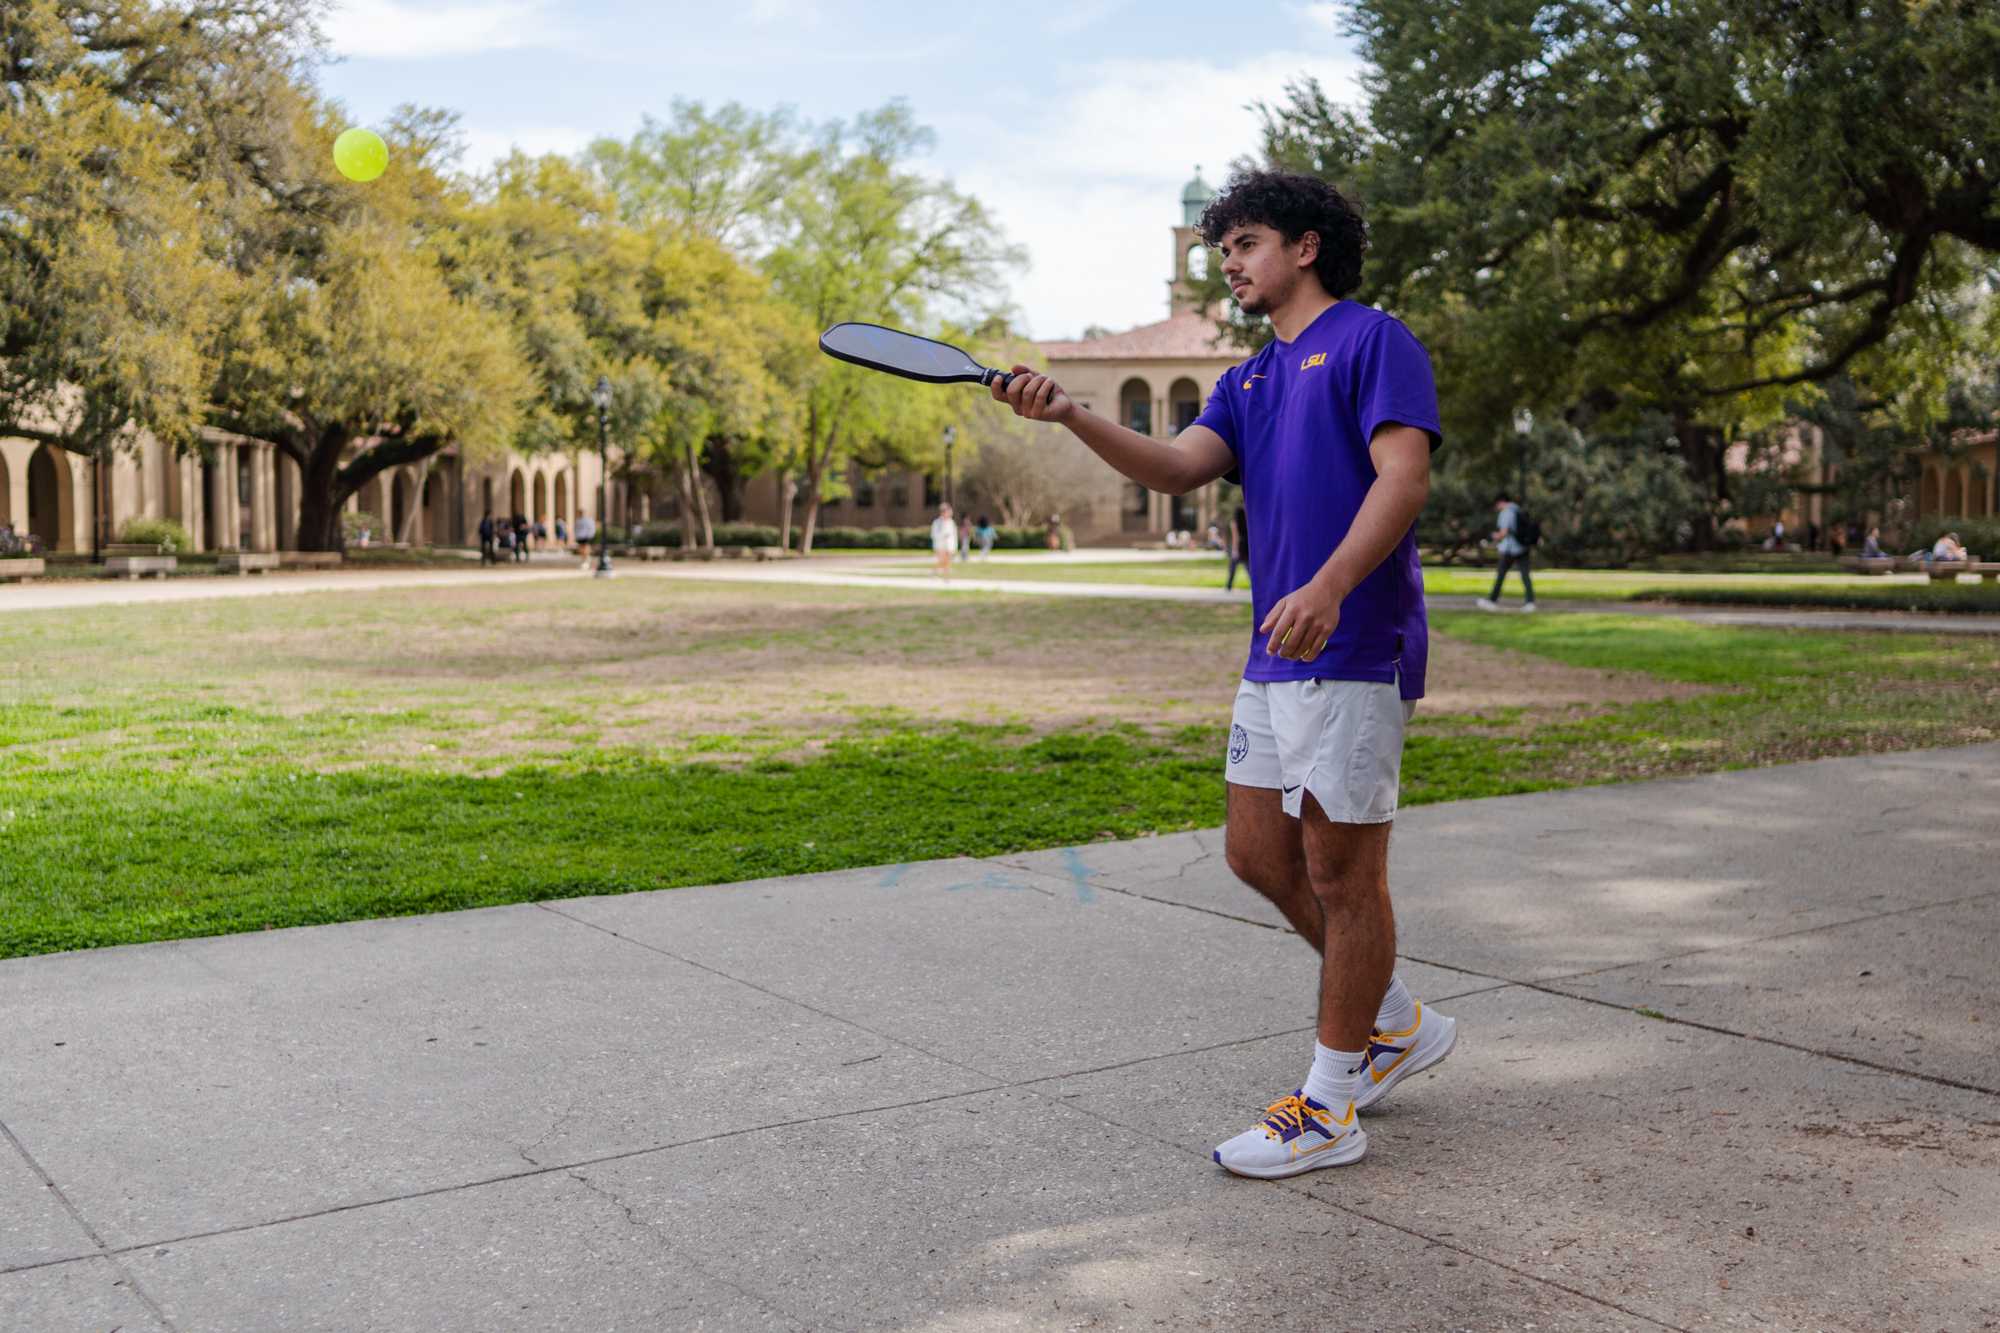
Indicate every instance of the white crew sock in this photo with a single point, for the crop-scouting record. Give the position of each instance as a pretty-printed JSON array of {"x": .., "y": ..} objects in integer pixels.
[
  {"x": 1399, "y": 1009},
  {"x": 1335, "y": 1077}
]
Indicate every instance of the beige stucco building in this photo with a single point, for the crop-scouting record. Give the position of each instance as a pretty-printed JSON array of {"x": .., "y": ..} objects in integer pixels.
[{"x": 243, "y": 494}]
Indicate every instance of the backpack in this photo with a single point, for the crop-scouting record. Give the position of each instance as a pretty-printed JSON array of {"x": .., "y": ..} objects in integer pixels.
[{"x": 1526, "y": 530}]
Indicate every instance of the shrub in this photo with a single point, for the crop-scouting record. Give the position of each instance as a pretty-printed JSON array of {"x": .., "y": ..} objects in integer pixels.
[
  {"x": 1955, "y": 598},
  {"x": 163, "y": 532},
  {"x": 1980, "y": 535},
  {"x": 726, "y": 534}
]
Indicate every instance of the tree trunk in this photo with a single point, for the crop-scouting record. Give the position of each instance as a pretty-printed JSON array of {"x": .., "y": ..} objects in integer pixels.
[
  {"x": 320, "y": 493},
  {"x": 719, "y": 463},
  {"x": 1702, "y": 452},
  {"x": 814, "y": 470},
  {"x": 700, "y": 499},
  {"x": 687, "y": 503}
]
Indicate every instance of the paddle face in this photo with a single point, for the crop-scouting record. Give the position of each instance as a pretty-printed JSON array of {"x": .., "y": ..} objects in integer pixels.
[{"x": 904, "y": 354}]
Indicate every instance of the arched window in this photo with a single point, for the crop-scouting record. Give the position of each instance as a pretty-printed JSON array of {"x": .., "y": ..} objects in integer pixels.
[
  {"x": 1183, "y": 404},
  {"x": 1927, "y": 493},
  {"x": 1135, "y": 406}
]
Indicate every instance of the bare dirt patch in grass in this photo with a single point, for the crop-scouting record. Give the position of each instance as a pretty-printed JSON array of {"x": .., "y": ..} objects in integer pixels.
[
  {"x": 491, "y": 675},
  {"x": 1472, "y": 678}
]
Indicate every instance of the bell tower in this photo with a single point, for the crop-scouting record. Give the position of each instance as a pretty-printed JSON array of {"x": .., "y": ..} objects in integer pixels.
[{"x": 1190, "y": 255}]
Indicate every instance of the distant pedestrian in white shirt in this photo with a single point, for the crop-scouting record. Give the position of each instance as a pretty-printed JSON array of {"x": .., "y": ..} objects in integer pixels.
[{"x": 944, "y": 541}]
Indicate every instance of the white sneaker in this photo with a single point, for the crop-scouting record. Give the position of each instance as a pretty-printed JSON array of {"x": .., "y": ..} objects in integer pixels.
[
  {"x": 1297, "y": 1135},
  {"x": 1528, "y": 606},
  {"x": 1394, "y": 1056},
  {"x": 1486, "y": 604}
]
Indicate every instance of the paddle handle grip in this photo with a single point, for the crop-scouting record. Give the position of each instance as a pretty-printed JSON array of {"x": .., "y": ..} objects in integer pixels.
[{"x": 1004, "y": 376}]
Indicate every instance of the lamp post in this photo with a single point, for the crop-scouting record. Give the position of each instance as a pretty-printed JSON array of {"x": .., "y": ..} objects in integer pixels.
[
  {"x": 601, "y": 395},
  {"x": 950, "y": 434},
  {"x": 1524, "y": 421}
]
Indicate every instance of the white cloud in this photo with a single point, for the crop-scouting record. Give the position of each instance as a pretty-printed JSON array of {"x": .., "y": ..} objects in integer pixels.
[
  {"x": 1090, "y": 181},
  {"x": 485, "y": 147},
  {"x": 398, "y": 30},
  {"x": 1322, "y": 15}
]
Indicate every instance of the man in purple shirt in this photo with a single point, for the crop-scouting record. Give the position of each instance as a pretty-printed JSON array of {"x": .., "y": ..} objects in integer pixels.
[{"x": 1331, "y": 427}]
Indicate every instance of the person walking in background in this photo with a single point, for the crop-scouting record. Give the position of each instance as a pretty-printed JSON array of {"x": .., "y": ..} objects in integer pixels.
[
  {"x": 1239, "y": 546},
  {"x": 986, "y": 534},
  {"x": 562, "y": 535},
  {"x": 520, "y": 538},
  {"x": 488, "y": 553},
  {"x": 541, "y": 534},
  {"x": 965, "y": 541},
  {"x": 586, "y": 532},
  {"x": 944, "y": 540},
  {"x": 1513, "y": 551}
]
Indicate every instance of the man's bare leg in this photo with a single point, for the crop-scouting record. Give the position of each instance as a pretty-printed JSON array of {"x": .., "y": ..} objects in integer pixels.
[
  {"x": 1348, "y": 865},
  {"x": 1265, "y": 849}
]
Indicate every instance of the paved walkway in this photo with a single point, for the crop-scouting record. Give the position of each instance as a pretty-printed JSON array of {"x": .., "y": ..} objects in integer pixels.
[
  {"x": 1728, "y": 1060},
  {"x": 835, "y": 573}
]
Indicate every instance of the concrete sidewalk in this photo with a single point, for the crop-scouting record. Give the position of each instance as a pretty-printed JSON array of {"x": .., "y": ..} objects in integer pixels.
[{"x": 1728, "y": 1059}]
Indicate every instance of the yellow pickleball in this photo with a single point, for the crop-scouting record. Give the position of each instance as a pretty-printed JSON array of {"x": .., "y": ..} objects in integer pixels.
[{"x": 360, "y": 155}]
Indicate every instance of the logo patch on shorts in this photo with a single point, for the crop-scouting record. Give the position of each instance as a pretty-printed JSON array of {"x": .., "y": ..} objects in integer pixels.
[{"x": 1239, "y": 742}]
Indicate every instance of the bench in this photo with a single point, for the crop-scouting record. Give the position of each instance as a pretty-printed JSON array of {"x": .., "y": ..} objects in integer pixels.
[
  {"x": 772, "y": 553},
  {"x": 308, "y": 559},
  {"x": 22, "y": 567},
  {"x": 1881, "y": 564},
  {"x": 1947, "y": 571},
  {"x": 245, "y": 562},
  {"x": 138, "y": 566}
]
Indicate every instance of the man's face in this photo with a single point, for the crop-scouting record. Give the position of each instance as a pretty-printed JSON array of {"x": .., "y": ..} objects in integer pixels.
[{"x": 1261, "y": 268}]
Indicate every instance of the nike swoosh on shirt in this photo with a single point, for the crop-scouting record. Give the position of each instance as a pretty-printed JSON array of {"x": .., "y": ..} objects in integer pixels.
[{"x": 1294, "y": 787}]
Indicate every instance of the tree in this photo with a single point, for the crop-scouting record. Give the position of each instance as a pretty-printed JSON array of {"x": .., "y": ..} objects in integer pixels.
[
  {"x": 724, "y": 353},
  {"x": 1703, "y": 210},
  {"x": 720, "y": 175},
  {"x": 132, "y": 137},
  {"x": 869, "y": 239},
  {"x": 349, "y": 334}
]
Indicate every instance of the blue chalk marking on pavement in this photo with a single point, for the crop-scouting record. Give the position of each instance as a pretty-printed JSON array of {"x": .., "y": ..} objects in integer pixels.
[
  {"x": 894, "y": 874},
  {"x": 1078, "y": 871},
  {"x": 994, "y": 880}
]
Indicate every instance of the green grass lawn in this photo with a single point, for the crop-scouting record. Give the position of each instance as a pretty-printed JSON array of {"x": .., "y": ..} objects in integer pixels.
[
  {"x": 1550, "y": 585},
  {"x": 169, "y": 770}
]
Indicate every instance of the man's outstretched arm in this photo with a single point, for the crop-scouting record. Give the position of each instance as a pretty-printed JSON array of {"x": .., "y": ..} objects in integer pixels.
[{"x": 1195, "y": 457}]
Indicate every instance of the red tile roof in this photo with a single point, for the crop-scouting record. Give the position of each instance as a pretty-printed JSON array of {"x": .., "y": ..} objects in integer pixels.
[{"x": 1187, "y": 336}]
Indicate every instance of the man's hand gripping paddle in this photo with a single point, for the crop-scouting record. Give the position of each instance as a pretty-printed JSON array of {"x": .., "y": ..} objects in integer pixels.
[{"x": 907, "y": 355}]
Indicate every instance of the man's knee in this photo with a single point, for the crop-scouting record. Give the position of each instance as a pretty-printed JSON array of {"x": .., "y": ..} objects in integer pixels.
[{"x": 1269, "y": 870}]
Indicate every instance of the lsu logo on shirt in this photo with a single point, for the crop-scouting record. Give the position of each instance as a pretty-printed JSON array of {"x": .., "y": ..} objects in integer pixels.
[
  {"x": 1247, "y": 383},
  {"x": 1316, "y": 359}
]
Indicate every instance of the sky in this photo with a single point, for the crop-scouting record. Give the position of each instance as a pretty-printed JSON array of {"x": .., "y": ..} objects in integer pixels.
[{"x": 1076, "y": 124}]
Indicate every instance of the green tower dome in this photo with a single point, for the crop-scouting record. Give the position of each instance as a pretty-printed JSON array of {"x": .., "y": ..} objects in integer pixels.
[{"x": 1195, "y": 198}]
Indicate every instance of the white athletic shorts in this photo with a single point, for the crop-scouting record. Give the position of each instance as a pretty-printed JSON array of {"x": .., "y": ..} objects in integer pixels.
[{"x": 1341, "y": 740}]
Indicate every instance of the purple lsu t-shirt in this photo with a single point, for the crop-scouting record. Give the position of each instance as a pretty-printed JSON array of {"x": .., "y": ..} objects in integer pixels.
[{"x": 1299, "y": 416}]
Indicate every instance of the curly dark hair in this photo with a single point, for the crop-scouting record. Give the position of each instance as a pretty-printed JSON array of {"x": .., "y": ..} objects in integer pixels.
[{"x": 1292, "y": 205}]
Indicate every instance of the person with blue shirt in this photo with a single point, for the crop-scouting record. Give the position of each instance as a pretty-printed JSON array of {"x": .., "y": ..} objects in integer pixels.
[
  {"x": 1513, "y": 554},
  {"x": 1330, "y": 428}
]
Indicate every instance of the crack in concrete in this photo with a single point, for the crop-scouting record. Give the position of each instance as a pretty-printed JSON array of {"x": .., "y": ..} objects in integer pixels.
[
  {"x": 104, "y": 1252},
  {"x": 654, "y": 1232},
  {"x": 1297, "y": 1186}
]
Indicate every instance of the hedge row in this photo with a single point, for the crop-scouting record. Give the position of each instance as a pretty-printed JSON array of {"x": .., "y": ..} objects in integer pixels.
[
  {"x": 1949, "y": 598},
  {"x": 914, "y": 539}
]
